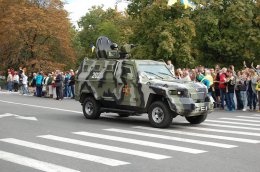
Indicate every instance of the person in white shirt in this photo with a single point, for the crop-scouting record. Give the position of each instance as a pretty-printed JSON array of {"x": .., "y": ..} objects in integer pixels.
[
  {"x": 170, "y": 67},
  {"x": 10, "y": 82},
  {"x": 16, "y": 81},
  {"x": 25, "y": 84}
]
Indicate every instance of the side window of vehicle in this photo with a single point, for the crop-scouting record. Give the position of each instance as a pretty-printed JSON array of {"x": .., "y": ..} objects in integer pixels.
[
  {"x": 85, "y": 68},
  {"x": 126, "y": 70},
  {"x": 97, "y": 68}
]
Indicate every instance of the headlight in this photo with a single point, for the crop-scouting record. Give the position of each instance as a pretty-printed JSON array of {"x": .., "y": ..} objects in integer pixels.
[{"x": 181, "y": 93}]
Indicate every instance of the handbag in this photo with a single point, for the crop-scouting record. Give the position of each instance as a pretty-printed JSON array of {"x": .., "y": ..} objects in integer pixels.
[{"x": 257, "y": 88}]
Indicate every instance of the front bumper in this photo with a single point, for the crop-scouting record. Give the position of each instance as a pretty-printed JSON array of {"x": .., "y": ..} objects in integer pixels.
[{"x": 187, "y": 107}]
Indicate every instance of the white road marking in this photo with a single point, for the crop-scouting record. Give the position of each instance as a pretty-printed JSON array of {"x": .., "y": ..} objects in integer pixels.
[
  {"x": 223, "y": 131},
  {"x": 106, "y": 147},
  {"x": 201, "y": 135},
  {"x": 18, "y": 117},
  {"x": 141, "y": 142},
  {"x": 230, "y": 126},
  {"x": 43, "y": 107},
  {"x": 33, "y": 163},
  {"x": 6, "y": 115},
  {"x": 88, "y": 157},
  {"x": 246, "y": 120},
  {"x": 256, "y": 115},
  {"x": 27, "y": 118},
  {"x": 229, "y": 122},
  {"x": 6, "y": 92},
  {"x": 249, "y": 117},
  {"x": 172, "y": 138}
]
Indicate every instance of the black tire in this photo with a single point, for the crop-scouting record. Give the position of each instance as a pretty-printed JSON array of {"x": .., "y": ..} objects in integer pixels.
[
  {"x": 123, "y": 115},
  {"x": 159, "y": 115},
  {"x": 91, "y": 108},
  {"x": 196, "y": 119}
]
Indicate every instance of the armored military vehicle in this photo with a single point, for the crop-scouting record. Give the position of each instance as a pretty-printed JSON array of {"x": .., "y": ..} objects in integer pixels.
[{"x": 115, "y": 83}]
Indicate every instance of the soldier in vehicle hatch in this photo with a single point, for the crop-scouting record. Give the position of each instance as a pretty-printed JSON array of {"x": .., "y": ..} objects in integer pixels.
[{"x": 170, "y": 67}]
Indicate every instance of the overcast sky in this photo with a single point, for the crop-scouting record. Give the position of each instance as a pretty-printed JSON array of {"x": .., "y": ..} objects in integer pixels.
[{"x": 78, "y": 8}]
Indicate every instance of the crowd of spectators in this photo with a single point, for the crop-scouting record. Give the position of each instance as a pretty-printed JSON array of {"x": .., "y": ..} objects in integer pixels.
[
  {"x": 57, "y": 85},
  {"x": 232, "y": 90}
]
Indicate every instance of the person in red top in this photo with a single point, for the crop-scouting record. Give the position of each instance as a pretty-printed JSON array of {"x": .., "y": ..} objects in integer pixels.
[{"x": 222, "y": 86}]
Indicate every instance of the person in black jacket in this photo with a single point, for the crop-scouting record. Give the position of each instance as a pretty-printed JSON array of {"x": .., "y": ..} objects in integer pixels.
[
  {"x": 72, "y": 84},
  {"x": 231, "y": 81},
  {"x": 58, "y": 83}
]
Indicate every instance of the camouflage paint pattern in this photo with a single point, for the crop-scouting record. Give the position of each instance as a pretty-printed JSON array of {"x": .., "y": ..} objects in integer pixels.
[{"x": 107, "y": 80}]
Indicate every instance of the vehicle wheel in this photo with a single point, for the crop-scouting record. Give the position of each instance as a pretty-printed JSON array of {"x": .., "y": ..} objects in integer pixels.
[
  {"x": 159, "y": 115},
  {"x": 91, "y": 108},
  {"x": 123, "y": 114},
  {"x": 196, "y": 119}
]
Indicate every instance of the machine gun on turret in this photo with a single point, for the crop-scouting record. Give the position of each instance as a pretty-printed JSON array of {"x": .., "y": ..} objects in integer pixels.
[{"x": 105, "y": 48}]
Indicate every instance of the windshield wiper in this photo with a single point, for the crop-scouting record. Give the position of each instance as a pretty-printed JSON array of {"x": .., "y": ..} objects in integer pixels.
[
  {"x": 167, "y": 74},
  {"x": 153, "y": 74}
]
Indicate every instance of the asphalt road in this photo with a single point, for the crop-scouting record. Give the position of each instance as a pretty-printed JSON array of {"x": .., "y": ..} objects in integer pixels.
[{"x": 40, "y": 134}]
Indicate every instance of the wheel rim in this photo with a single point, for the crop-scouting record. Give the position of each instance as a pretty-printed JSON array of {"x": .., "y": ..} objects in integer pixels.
[
  {"x": 157, "y": 115},
  {"x": 89, "y": 108}
]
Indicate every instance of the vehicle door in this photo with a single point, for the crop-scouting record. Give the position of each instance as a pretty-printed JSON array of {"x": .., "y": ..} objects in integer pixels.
[{"x": 129, "y": 89}]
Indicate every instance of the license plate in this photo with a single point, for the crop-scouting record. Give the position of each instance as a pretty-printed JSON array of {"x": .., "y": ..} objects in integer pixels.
[{"x": 203, "y": 108}]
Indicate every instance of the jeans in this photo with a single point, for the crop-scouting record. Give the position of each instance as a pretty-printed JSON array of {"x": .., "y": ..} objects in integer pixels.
[
  {"x": 244, "y": 98},
  {"x": 230, "y": 101},
  {"x": 223, "y": 96},
  {"x": 38, "y": 90},
  {"x": 252, "y": 99},
  {"x": 66, "y": 88},
  {"x": 24, "y": 89},
  {"x": 73, "y": 90},
  {"x": 10, "y": 86},
  {"x": 67, "y": 91}
]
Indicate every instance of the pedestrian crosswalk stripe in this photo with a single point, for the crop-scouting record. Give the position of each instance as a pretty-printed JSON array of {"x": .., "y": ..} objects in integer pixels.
[
  {"x": 246, "y": 120},
  {"x": 88, "y": 157},
  {"x": 250, "y": 117},
  {"x": 230, "y": 126},
  {"x": 33, "y": 163},
  {"x": 172, "y": 138},
  {"x": 256, "y": 115},
  {"x": 223, "y": 131},
  {"x": 141, "y": 142},
  {"x": 229, "y": 122},
  {"x": 200, "y": 135},
  {"x": 6, "y": 115},
  {"x": 106, "y": 147}
]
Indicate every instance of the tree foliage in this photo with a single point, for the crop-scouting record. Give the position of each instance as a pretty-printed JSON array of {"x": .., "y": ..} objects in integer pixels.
[
  {"x": 228, "y": 32},
  {"x": 162, "y": 32},
  {"x": 35, "y": 34}
]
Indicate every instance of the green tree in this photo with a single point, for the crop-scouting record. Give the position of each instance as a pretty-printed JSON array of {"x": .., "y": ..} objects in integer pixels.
[
  {"x": 162, "y": 32},
  {"x": 227, "y": 32}
]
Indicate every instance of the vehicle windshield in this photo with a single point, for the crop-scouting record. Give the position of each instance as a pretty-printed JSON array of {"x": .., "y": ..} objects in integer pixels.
[{"x": 155, "y": 69}]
